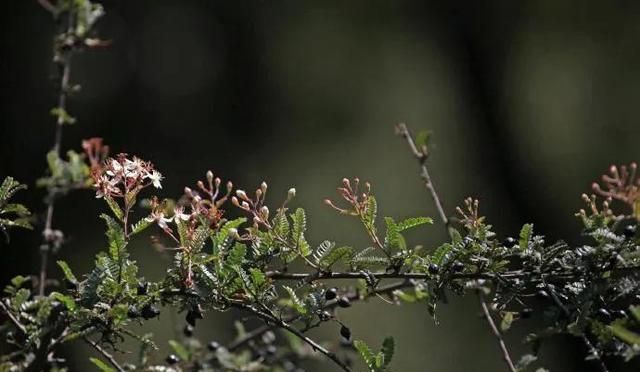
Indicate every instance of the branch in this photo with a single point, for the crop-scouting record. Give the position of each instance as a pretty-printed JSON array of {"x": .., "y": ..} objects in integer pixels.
[
  {"x": 45, "y": 248},
  {"x": 106, "y": 354},
  {"x": 496, "y": 332},
  {"x": 48, "y": 6},
  {"x": 421, "y": 155},
  {"x": 353, "y": 297},
  {"x": 269, "y": 319},
  {"x": 13, "y": 319}
]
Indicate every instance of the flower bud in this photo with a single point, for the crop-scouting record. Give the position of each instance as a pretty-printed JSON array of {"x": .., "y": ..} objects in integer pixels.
[
  {"x": 291, "y": 193},
  {"x": 258, "y": 193},
  {"x": 263, "y": 186},
  {"x": 209, "y": 175},
  {"x": 200, "y": 184},
  {"x": 245, "y": 205},
  {"x": 264, "y": 212},
  {"x": 235, "y": 202},
  {"x": 188, "y": 191},
  {"x": 217, "y": 182},
  {"x": 242, "y": 195},
  {"x": 233, "y": 233}
]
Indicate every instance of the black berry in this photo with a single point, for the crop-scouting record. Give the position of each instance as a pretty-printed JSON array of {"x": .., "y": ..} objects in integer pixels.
[
  {"x": 188, "y": 330},
  {"x": 142, "y": 288},
  {"x": 213, "y": 346},
  {"x": 193, "y": 315},
  {"x": 344, "y": 301},
  {"x": 172, "y": 359},
  {"x": 542, "y": 294},
  {"x": 526, "y": 313},
  {"x": 604, "y": 314},
  {"x": 150, "y": 311},
  {"x": 330, "y": 294},
  {"x": 457, "y": 266},
  {"x": 433, "y": 268},
  {"x": 324, "y": 316},
  {"x": 345, "y": 332},
  {"x": 509, "y": 242},
  {"x": 630, "y": 231},
  {"x": 133, "y": 312}
]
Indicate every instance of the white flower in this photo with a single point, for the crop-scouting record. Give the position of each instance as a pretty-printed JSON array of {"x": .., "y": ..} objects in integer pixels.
[
  {"x": 179, "y": 214},
  {"x": 155, "y": 178}
]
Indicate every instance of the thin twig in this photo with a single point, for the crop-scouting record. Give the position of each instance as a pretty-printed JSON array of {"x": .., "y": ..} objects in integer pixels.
[
  {"x": 48, "y": 6},
  {"x": 421, "y": 155},
  {"x": 47, "y": 232},
  {"x": 353, "y": 297},
  {"x": 106, "y": 354},
  {"x": 13, "y": 319},
  {"x": 296, "y": 332},
  {"x": 496, "y": 332}
]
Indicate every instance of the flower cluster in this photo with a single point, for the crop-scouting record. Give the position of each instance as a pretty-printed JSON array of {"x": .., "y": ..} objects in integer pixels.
[
  {"x": 622, "y": 184},
  {"x": 124, "y": 177},
  {"x": 96, "y": 152},
  {"x": 359, "y": 201},
  {"x": 255, "y": 206}
]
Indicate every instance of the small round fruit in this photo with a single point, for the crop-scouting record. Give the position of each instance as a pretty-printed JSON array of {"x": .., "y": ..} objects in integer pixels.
[
  {"x": 142, "y": 288},
  {"x": 542, "y": 294},
  {"x": 133, "y": 312},
  {"x": 193, "y": 315},
  {"x": 150, "y": 311},
  {"x": 509, "y": 242},
  {"x": 344, "y": 301},
  {"x": 604, "y": 314},
  {"x": 188, "y": 330},
  {"x": 330, "y": 294},
  {"x": 433, "y": 268},
  {"x": 526, "y": 313},
  {"x": 630, "y": 231},
  {"x": 457, "y": 267},
  {"x": 213, "y": 346},
  {"x": 345, "y": 332},
  {"x": 172, "y": 359}
]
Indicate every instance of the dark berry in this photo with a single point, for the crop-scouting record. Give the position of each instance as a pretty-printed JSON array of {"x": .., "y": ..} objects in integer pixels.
[
  {"x": 604, "y": 314},
  {"x": 133, "y": 312},
  {"x": 345, "y": 332},
  {"x": 630, "y": 231},
  {"x": 324, "y": 316},
  {"x": 457, "y": 266},
  {"x": 213, "y": 346},
  {"x": 193, "y": 315},
  {"x": 542, "y": 294},
  {"x": 526, "y": 313},
  {"x": 71, "y": 286},
  {"x": 142, "y": 288},
  {"x": 344, "y": 301},
  {"x": 509, "y": 242},
  {"x": 620, "y": 314},
  {"x": 433, "y": 268},
  {"x": 271, "y": 349},
  {"x": 330, "y": 294},
  {"x": 172, "y": 359},
  {"x": 150, "y": 311},
  {"x": 188, "y": 330}
]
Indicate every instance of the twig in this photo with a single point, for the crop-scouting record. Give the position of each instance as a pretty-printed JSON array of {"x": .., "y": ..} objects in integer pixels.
[
  {"x": 496, "y": 332},
  {"x": 62, "y": 104},
  {"x": 353, "y": 297},
  {"x": 48, "y": 6},
  {"x": 421, "y": 156},
  {"x": 269, "y": 319},
  {"x": 13, "y": 319},
  {"x": 105, "y": 353}
]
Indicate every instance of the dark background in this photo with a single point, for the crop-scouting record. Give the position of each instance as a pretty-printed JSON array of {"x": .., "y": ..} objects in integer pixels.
[{"x": 529, "y": 101}]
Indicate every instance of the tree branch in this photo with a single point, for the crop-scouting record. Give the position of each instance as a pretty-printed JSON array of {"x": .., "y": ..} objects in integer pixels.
[
  {"x": 496, "y": 332},
  {"x": 269, "y": 319},
  {"x": 106, "y": 354},
  {"x": 47, "y": 232}
]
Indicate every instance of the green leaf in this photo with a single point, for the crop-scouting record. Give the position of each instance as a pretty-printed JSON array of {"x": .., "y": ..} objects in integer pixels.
[
  {"x": 388, "y": 347},
  {"x": 296, "y": 303},
  {"x": 336, "y": 255},
  {"x": 507, "y": 319},
  {"x": 413, "y": 222},
  {"x": 393, "y": 239},
  {"x": 299, "y": 219},
  {"x": 68, "y": 302},
  {"x": 179, "y": 349},
  {"x": 68, "y": 274},
  {"x": 115, "y": 208},
  {"x": 62, "y": 115},
  {"x": 115, "y": 235},
  {"x": 365, "y": 353},
  {"x": 236, "y": 255},
  {"x": 140, "y": 226},
  {"x": 371, "y": 211},
  {"x": 257, "y": 277},
  {"x": 525, "y": 236},
  {"x": 624, "y": 334},
  {"x": 102, "y": 366}
]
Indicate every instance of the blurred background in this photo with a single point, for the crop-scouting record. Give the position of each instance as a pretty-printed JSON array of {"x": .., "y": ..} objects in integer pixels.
[{"x": 528, "y": 102}]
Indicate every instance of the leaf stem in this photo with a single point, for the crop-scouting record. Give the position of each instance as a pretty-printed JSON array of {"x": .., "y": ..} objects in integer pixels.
[{"x": 105, "y": 353}]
